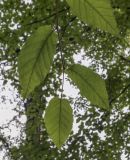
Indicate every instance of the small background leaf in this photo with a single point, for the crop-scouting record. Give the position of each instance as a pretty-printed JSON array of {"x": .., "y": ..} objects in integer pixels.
[
  {"x": 36, "y": 58},
  {"x": 58, "y": 120},
  {"x": 90, "y": 84},
  {"x": 97, "y": 13}
]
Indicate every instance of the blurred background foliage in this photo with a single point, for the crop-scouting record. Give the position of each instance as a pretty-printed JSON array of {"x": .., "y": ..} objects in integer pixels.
[{"x": 101, "y": 134}]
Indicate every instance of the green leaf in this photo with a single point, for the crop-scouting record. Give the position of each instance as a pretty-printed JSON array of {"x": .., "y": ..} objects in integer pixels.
[
  {"x": 90, "y": 84},
  {"x": 36, "y": 58},
  {"x": 58, "y": 120},
  {"x": 97, "y": 13}
]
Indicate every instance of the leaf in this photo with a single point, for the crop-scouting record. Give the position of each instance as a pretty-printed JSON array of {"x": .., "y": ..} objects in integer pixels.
[
  {"x": 58, "y": 120},
  {"x": 90, "y": 84},
  {"x": 97, "y": 13},
  {"x": 36, "y": 58}
]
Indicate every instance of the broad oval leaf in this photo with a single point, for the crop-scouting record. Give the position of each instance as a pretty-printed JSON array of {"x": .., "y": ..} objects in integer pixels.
[
  {"x": 97, "y": 13},
  {"x": 36, "y": 58},
  {"x": 90, "y": 84},
  {"x": 58, "y": 120}
]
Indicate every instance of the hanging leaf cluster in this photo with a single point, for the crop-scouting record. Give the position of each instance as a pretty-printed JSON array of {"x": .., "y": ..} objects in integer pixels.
[{"x": 36, "y": 59}]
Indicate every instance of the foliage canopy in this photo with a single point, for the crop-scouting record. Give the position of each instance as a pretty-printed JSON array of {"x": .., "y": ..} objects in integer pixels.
[{"x": 38, "y": 42}]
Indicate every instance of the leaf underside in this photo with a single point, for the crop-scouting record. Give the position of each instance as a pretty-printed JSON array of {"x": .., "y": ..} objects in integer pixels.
[
  {"x": 97, "y": 13},
  {"x": 58, "y": 120},
  {"x": 90, "y": 84},
  {"x": 36, "y": 58}
]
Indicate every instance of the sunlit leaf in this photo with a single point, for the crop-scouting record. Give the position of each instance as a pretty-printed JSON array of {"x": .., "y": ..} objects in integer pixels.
[
  {"x": 58, "y": 120},
  {"x": 97, "y": 13},
  {"x": 36, "y": 58},
  {"x": 90, "y": 84}
]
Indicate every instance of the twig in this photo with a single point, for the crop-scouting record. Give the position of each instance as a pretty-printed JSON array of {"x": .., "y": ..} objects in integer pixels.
[
  {"x": 60, "y": 50},
  {"x": 48, "y": 17},
  {"x": 112, "y": 100},
  {"x": 125, "y": 59}
]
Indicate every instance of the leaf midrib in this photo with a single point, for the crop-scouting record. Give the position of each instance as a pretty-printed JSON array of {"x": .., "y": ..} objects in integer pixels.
[{"x": 60, "y": 120}]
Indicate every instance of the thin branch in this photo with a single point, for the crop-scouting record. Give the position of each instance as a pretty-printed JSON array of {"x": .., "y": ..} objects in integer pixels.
[
  {"x": 125, "y": 59},
  {"x": 122, "y": 92},
  {"x": 61, "y": 32},
  {"x": 122, "y": 57},
  {"x": 48, "y": 17},
  {"x": 67, "y": 25}
]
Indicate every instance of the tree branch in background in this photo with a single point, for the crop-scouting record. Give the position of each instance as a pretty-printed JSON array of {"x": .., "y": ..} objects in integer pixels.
[
  {"x": 125, "y": 59},
  {"x": 48, "y": 17},
  {"x": 123, "y": 91}
]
